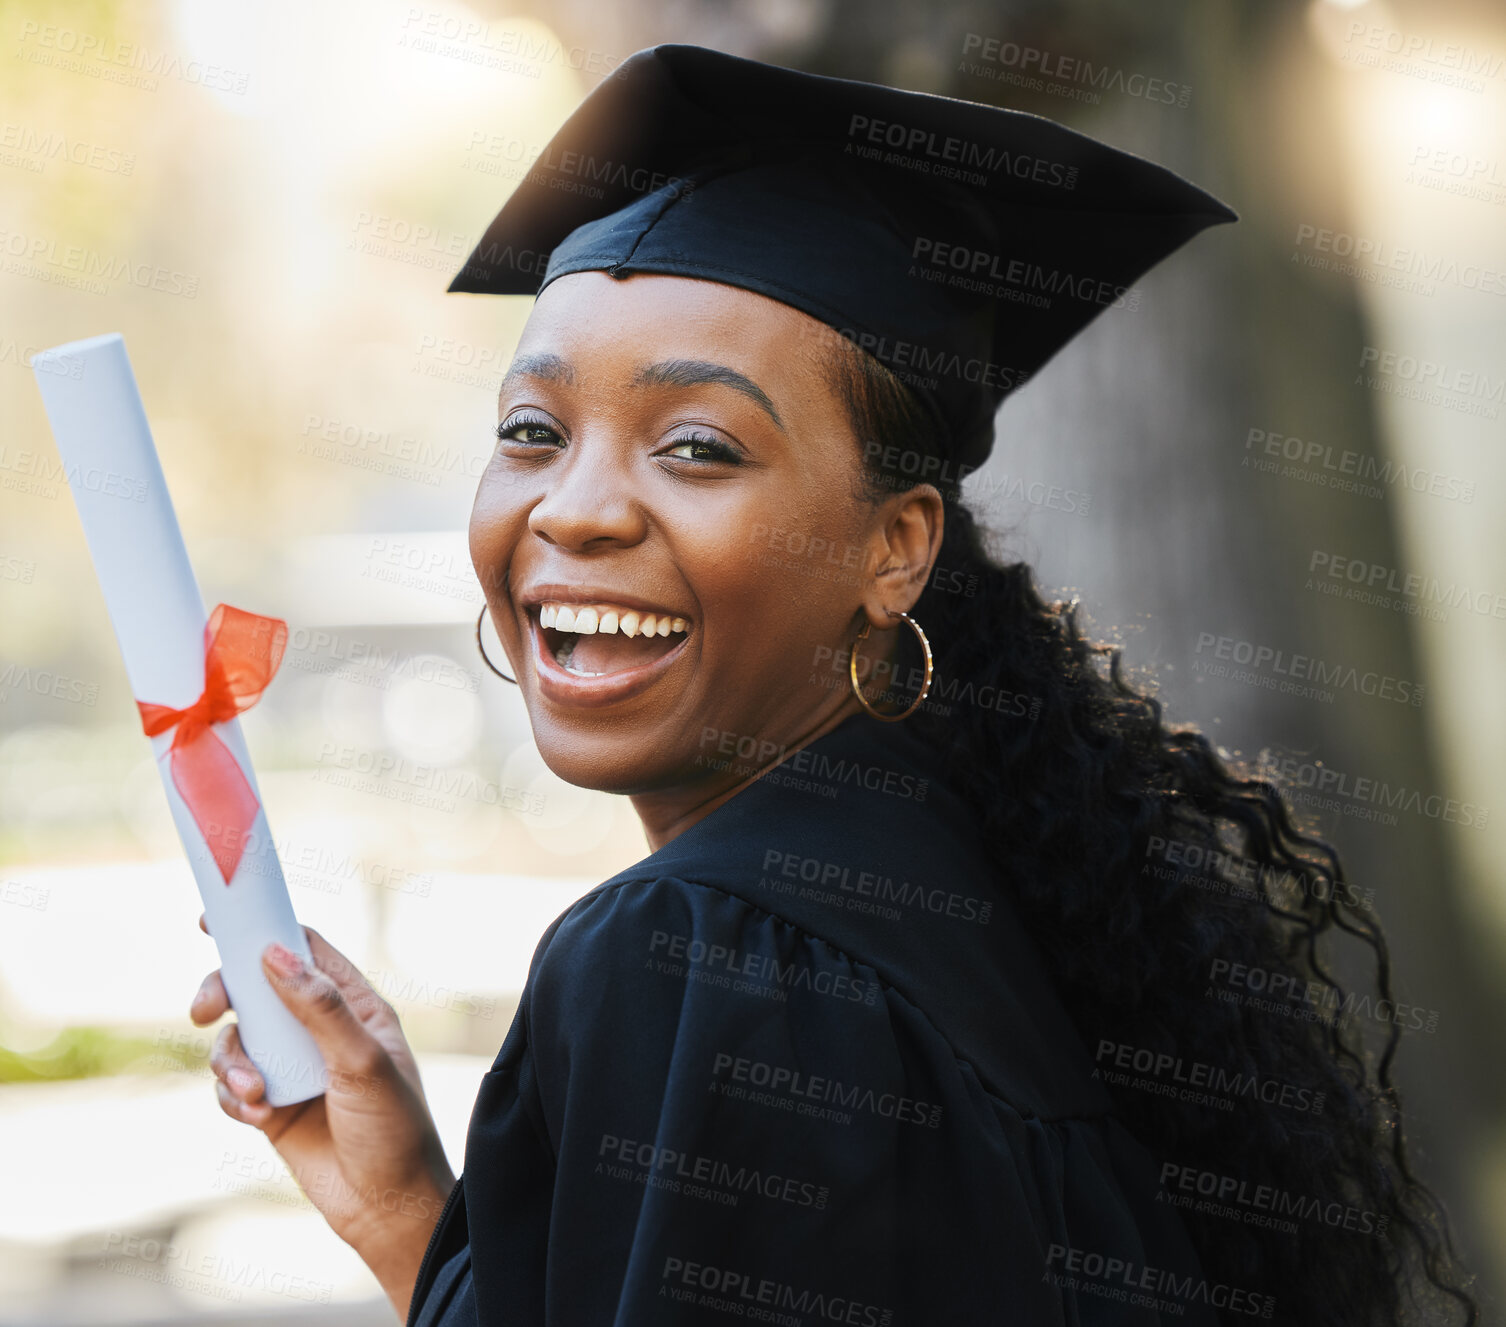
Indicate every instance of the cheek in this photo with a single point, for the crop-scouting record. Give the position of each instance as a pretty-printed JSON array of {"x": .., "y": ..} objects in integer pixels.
[
  {"x": 497, "y": 520},
  {"x": 774, "y": 591}
]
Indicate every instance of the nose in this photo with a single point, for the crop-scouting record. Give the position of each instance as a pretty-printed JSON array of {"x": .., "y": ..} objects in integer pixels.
[{"x": 589, "y": 501}]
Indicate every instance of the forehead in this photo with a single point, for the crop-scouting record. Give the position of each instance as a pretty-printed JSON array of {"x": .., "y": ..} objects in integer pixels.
[{"x": 644, "y": 316}]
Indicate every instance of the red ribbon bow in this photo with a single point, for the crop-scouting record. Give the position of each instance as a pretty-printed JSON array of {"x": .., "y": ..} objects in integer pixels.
[{"x": 241, "y": 652}]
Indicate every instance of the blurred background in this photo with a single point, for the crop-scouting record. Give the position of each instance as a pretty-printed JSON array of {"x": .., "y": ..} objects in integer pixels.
[{"x": 1292, "y": 440}]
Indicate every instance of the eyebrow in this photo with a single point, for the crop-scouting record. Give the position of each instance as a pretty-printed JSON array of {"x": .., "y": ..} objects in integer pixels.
[
  {"x": 697, "y": 372},
  {"x": 666, "y": 373},
  {"x": 551, "y": 368}
]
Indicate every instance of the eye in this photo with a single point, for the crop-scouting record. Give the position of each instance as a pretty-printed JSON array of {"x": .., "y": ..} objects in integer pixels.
[
  {"x": 704, "y": 449},
  {"x": 531, "y": 430}
]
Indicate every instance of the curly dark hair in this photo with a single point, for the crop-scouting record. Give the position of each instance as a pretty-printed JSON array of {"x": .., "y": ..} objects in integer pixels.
[{"x": 1082, "y": 796}]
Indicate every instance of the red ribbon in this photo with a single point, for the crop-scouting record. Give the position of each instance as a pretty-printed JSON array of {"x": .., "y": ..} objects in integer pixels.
[{"x": 241, "y": 652}]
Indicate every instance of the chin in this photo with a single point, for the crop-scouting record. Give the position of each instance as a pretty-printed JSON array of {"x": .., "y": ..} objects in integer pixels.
[{"x": 603, "y": 756}]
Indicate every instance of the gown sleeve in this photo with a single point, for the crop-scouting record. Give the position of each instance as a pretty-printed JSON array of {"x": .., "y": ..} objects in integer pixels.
[{"x": 702, "y": 1112}]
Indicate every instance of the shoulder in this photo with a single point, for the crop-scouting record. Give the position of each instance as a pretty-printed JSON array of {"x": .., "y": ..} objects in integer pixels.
[
  {"x": 661, "y": 940},
  {"x": 654, "y": 990}
]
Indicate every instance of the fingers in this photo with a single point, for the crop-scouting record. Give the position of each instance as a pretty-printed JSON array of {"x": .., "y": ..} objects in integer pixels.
[
  {"x": 238, "y": 1085},
  {"x": 317, "y": 1001},
  {"x": 209, "y": 1001},
  {"x": 358, "y": 992},
  {"x": 329, "y": 959}
]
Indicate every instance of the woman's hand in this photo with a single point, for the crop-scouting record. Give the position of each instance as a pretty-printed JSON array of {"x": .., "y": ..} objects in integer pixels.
[{"x": 366, "y": 1152}]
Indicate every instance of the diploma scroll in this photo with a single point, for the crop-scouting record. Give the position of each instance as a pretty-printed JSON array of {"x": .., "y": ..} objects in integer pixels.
[{"x": 189, "y": 674}]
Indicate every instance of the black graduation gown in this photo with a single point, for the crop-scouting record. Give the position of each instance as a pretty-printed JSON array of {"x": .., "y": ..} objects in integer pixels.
[{"x": 803, "y": 1065}]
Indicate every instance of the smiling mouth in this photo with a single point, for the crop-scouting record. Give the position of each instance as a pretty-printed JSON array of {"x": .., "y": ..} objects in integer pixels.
[{"x": 594, "y": 640}]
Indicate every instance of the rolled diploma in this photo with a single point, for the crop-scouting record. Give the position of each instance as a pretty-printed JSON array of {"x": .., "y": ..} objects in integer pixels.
[{"x": 158, "y": 614}]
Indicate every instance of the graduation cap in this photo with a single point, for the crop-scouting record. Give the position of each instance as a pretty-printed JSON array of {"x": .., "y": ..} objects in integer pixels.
[{"x": 961, "y": 245}]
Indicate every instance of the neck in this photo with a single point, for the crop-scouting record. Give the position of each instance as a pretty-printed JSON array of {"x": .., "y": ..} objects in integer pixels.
[{"x": 667, "y": 813}]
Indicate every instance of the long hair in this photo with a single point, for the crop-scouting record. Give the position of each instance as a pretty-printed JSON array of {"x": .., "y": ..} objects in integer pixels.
[{"x": 1148, "y": 868}]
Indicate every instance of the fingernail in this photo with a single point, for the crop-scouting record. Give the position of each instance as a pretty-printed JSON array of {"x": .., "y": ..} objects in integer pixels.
[
  {"x": 284, "y": 961},
  {"x": 240, "y": 1080}
]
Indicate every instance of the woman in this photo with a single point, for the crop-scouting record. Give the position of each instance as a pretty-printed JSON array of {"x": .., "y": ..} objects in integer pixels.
[{"x": 914, "y": 1012}]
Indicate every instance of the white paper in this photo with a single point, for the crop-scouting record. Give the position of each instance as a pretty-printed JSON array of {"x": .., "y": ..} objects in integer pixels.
[{"x": 159, "y": 617}]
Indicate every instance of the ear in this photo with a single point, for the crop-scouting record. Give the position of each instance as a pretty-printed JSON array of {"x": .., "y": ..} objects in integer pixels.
[{"x": 906, "y": 542}]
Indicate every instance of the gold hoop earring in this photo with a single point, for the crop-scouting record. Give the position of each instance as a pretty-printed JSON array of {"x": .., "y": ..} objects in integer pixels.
[
  {"x": 482, "y": 648},
  {"x": 857, "y": 689}
]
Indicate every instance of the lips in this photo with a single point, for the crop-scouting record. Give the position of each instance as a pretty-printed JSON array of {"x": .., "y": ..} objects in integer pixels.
[{"x": 601, "y": 650}]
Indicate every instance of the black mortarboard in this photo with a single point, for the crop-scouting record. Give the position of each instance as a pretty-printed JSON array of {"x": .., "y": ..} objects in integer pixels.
[{"x": 960, "y": 244}]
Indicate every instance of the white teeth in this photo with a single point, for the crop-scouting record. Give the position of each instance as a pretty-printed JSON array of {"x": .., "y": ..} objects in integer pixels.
[{"x": 588, "y": 619}]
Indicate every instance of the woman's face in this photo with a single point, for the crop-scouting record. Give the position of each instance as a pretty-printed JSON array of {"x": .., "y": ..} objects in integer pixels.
[{"x": 671, "y": 447}]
